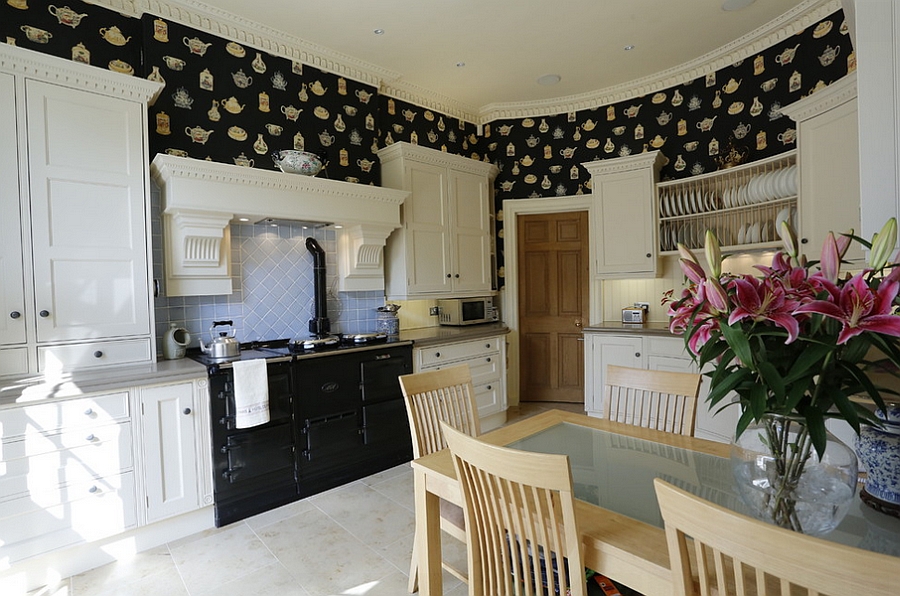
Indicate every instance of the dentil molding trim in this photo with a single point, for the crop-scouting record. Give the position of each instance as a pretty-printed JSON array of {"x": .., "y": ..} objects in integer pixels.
[
  {"x": 436, "y": 158},
  {"x": 835, "y": 94},
  {"x": 218, "y": 22},
  {"x": 650, "y": 159},
  {"x": 52, "y": 69}
]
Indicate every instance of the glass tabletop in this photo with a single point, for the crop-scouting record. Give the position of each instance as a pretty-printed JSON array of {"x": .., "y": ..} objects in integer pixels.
[{"x": 616, "y": 472}]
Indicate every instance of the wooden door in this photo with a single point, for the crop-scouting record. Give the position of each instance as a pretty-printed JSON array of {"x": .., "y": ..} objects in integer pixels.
[{"x": 553, "y": 256}]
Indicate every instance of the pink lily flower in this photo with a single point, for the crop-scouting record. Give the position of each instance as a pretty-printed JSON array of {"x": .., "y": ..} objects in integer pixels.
[
  {"x": 860, "y": 309},
  {"x": 764, "y": 301}
]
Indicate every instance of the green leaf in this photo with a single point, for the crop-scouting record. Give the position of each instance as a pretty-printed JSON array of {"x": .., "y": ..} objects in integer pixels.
[
  {"x": 844, "y": 406},
  {"x": 772, "y": 379},
  {"x": 815, "y": 422},
  {"x": 758, "y": 400},
  {"x": 721, "y": 389},
  {"x": 811, "y": 356},
  {"x": 743, "y": 422},
  {"x": 864, "y": 380},
  {"x": 736, "y": 338}
]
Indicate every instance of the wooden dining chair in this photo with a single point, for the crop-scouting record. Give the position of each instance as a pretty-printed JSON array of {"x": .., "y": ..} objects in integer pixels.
[
  {"x": 789, "y": 563},
  {"x": 432, "y": 397},
  {"x": 520, "y": 520},
  {"x": 656, "y": 399}
]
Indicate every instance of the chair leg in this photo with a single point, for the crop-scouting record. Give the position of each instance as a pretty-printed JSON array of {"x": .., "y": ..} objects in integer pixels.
[{"x": 414, "y": 568}]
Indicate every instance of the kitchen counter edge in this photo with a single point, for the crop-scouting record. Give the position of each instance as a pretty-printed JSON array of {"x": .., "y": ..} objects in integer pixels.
[
  {"x": 433, "y": 336},
  {"x": 22, "y": 391},
  {"x": 652, "y": 328}
]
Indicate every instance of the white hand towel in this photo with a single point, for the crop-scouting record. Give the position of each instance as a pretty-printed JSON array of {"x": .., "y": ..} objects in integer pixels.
[{"x": 251, "y": 393}]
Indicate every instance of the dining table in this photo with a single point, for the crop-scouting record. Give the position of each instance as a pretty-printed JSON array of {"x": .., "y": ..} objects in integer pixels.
[{"x": 613, "y": 466}]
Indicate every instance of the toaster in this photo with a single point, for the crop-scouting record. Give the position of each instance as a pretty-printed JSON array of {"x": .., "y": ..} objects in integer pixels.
[{"x": 634, "y": 314}]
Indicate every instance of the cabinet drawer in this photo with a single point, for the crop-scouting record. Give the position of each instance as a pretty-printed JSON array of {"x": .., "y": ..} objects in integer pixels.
[
  {"x": 44, "y": 461},
  {"x": 458, "y": 351},
  {"x": 13, "y": 361},
  {"x": 489, "y": 398},
  {"x": 93, "y": 354},
  {"x": 65, "y": 414},
  {"x": 486, "y": 368},
  {"x": 81, "y": 512},
  {"x": 666, "y": 346}
]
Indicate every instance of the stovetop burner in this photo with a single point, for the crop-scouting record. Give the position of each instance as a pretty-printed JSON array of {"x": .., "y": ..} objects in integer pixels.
[{"x": 287, "y": 349}]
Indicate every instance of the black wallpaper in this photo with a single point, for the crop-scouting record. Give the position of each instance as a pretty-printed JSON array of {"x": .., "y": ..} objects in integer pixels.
[{"x": 234, "y": 104}]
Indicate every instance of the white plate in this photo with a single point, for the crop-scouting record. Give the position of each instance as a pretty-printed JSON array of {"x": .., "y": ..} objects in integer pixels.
[
  {"x": 663, "y": 212},
  {"x": 754, "y": 233},
  {"x": 741, "y": 236},
  {"x": 783, "y": 215},
  {"x": 764, "y": 233}
]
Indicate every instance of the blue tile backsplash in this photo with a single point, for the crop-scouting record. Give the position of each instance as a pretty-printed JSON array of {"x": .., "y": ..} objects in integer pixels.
[{"x": 272, "y": 281}]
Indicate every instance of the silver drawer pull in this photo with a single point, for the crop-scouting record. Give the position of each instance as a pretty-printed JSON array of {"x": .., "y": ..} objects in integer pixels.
[
  {"x": 93, "y": 489},
  {"x": 90, "y": 437}
]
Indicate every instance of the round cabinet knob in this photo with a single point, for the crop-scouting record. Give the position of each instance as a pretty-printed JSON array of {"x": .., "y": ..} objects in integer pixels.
[
  {"x": 98, "y": 354},
  {"x": 90, "y": 437},
  {"x": 15, "y": 314},
  {"x": 88, "y": 412},
  {"x": 44, "y": 314},
  {"x": 804, "y": 241},
  {"x": 637, "y": 354},
  {"x": 578, "y": 323},
  {"x": 488, "y": 387},
  {"x": 649, "y": 255},
  {"x": 437, "y": 354},
  {"x": 487, "y": 345},
  {"x": 456, "y": 276},
  {"x": 488, "y": 359},
  {"x": 187, "y": 411},
  {"x": 448, "y": 276},
  {"x": 93, "y": 489}
]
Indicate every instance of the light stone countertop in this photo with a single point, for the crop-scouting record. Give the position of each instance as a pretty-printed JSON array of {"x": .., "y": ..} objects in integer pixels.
[
  {"x": 18, "y": 391},
  {"x": 433, "y": 336},
  {"x": 652, "y": 328}
]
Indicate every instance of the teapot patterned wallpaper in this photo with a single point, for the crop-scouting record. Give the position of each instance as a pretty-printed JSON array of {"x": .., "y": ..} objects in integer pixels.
[{"x": 233, "y": 104}]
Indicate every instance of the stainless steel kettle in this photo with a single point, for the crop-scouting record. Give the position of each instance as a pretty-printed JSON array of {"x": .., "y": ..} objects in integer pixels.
[{"x": 223, "y": 345}]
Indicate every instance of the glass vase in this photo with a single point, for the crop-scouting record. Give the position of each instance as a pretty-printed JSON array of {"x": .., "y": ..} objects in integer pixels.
[{"x": 782, "y": 480}]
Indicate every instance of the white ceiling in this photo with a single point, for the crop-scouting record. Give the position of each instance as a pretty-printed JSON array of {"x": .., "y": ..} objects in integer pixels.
[{"x": 506, "y": 45}]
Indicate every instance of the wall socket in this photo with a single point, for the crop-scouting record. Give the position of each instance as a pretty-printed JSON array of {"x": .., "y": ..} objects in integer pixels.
[{"x": 434, "y": 311}]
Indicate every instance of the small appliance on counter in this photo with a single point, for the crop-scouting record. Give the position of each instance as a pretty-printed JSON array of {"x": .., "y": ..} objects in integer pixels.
[
  {"x": 387, "y": 322},
  {"x": 223, "y": 346},
  {"x": 637, "y": 314},
  {"x": 467, "y": 311},
  {"x": 175, "y": 342}
]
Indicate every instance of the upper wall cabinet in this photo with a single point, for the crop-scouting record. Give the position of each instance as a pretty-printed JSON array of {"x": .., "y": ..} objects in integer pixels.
[
  {"x": 76, "y": 293},
  {"x": 444, "y": 245},
  {"x": 828, "y": 159},
  {"x": 624, "y": 219}
]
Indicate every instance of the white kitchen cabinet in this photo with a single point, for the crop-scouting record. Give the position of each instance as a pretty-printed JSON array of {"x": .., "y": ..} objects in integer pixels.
[
  {"x": 625, "y": 214},
  {"x": 174, "y": 448},
  {"x": 68, "y": 474},
  {"x": 486, "y": 358},
  {"x": 76, "y": 159},
  {"x": 443, "y": 247},
  {"x": 828, "y": 160},
  {"x": 652, "y": 352}
]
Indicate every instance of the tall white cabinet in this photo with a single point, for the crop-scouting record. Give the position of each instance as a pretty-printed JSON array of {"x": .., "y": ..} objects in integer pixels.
[
  {"x": 74, "y": 257},
  {"x": 443, "y": 247}
]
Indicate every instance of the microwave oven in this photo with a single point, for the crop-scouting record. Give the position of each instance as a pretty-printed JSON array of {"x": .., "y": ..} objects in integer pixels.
[{"x": 467, "y": 311}]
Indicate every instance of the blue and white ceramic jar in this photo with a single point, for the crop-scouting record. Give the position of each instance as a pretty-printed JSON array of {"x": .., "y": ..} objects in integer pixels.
[{"x": 879, "y": 450}]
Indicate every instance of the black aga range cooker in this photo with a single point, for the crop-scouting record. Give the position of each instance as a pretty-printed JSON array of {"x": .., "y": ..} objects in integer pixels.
[{"x": 336, "y": 414}]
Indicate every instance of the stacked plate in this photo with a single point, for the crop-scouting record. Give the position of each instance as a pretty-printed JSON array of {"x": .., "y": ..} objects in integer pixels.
[{"x": 770, "y": 186}]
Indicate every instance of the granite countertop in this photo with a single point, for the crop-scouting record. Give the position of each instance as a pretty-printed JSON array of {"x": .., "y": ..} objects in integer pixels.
[
  {"x": 652, "y": 328},
  {"x": 18, "y": 391},
  {"x": 430, "y": 336}
]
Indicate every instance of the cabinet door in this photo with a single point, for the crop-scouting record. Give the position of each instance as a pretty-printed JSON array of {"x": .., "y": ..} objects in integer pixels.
[
  {"x": 471, "y": 236},
  {"x": 605, "y": 350},
  {"x": 169, "y": 444},
  {"x": 427, "y": 223},
  {"x": 86, "y": 167},
  {"x": 12, "y": 284},
  {"x": 625, "y": 224},
  {"x": 829, "y": 178}
]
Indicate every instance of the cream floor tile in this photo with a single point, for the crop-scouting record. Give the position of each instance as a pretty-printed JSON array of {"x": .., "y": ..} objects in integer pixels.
[
  {"x": 400, "y": 489},
  {"x": 219, "y": 556},
  {"x": 280, "y": 514},
  {"x": 146, "y": 564},
  {"x": 62, "y": 588},
  {"x": 387, "y": 475},
  {"x": 167, "y": 581},
  {"x": 323, "y": 556},
  {"x": 366, "y": 513},
  {"x": 271, "y": 580}
]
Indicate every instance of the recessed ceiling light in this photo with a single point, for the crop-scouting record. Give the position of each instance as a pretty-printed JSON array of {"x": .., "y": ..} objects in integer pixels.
[
  {"x": 243, "y": 219},
  {"x": 460, "y": 64},
  {"x": 731, "y": 5},
  {"x": 549, "y": 79},
  {"x": 378, "y": 31},
  {"x": 628, "y": 48}
]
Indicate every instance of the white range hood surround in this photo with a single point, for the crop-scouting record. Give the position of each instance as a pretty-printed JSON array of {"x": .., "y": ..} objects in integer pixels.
[{"x": 201, "y": 198}]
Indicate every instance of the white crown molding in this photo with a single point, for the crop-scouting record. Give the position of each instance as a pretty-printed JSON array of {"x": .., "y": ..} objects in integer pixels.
[
  {"x": 203, "y": 17},
  {"x": 436, "y": 158},
  {"x": 45, "y": 67},
  {"x": 638, "y": 161},
  {"x": 835, "y": 94},
  {"x": 801, "y": 16}
]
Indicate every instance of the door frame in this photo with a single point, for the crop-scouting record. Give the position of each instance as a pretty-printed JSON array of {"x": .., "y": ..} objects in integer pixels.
[{"x": 512, "y": 208}]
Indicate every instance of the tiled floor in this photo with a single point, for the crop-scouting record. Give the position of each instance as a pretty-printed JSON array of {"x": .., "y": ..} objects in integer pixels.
[{"x": 354, "y": 540}]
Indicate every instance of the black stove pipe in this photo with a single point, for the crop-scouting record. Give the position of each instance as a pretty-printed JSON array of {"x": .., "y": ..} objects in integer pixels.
[{"x": 319, "y": 326}]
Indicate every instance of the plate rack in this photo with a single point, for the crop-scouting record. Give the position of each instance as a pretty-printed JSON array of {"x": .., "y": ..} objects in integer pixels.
[{"x": 743, "y": 205}]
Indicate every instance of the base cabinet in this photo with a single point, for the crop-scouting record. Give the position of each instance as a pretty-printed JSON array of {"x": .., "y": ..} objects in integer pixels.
[
  {"x": 653, "y": 353},
  {"x": 486, "y": 358}
]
